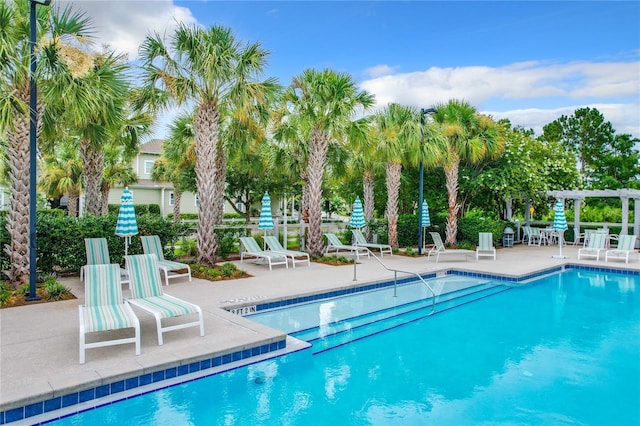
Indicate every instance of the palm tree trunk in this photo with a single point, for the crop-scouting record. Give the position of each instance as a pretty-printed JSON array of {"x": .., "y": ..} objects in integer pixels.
[
  {"x": 177, "y": 197},
  {"x": 104, "y": 194},
  {"x": 318, "y": 147},
  {"x": 221, "y": 173},
  {"x": 451, "y": 176},
  {"x": 394, "y": 171},
  {"x": 73, "y": 203},
  {"x": 369, "y": 206},
  {"x": 206, "y": 134},
  {"x": 18, "y": 218},
  {"x": 92, "y": 168}
]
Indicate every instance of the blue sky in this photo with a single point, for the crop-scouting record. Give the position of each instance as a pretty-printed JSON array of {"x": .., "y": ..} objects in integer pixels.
[{"x": 529, "y": 61}]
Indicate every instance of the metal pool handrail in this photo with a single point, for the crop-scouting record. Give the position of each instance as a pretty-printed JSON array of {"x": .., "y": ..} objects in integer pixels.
[{"x": 395, "y": 278}]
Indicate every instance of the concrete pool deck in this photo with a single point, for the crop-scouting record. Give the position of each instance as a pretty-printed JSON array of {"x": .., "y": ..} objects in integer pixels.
[{"x": 39, "y": 343}]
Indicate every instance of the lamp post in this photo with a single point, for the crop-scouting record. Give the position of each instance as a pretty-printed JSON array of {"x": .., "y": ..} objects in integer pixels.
[
  {"x": 423, "y": 112},
  {"x": 33, "y": 146}
]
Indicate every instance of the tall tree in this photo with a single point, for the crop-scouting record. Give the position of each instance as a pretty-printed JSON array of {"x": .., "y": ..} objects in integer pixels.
[
  {"x": 209, "y": 69},
  {"x": 323, "y": 103},
  {"x": 14, "y": 106},
  {"x": 470, "y": 137},
  {"x": 62, "y": 173}
]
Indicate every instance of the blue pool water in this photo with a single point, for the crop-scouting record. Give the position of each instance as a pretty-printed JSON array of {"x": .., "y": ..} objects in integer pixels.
[{"x": 562, "y": 350}]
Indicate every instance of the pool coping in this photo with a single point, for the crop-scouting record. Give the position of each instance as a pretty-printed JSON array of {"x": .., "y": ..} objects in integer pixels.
[{"x": 208, "y": 365}]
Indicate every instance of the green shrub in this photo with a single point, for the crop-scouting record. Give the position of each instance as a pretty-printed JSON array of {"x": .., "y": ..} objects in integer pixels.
[
  {"x": 5, "y": 293},
  {"x": 53, "y": 290},
  {"x": 154, "y": 208}
]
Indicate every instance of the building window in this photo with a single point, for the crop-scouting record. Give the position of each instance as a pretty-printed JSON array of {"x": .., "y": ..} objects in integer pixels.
[
  {"x": 197, "y": 200},
  {"x": 240, "y": 207},
  {"x": 148, "y": 165},
  {"x": 171, "y": 199}
]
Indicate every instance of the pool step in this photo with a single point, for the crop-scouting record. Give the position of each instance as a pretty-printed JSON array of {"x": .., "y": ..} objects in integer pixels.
[{"x": 336, "y": 334}]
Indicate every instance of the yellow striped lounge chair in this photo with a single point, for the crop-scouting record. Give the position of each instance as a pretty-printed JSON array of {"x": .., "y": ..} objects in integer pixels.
[
  {"x": 296, "y": 256},
  {"x": 485, "y": 245},
  {"x": 151, "y": 245},
  {"x": 147, "y": 294},
  {"x": 97, "y": 251},
  {"x": 104, "y": 309},
  {"x": 626, "y": 246},
  {"x": 251, "y": 248}
]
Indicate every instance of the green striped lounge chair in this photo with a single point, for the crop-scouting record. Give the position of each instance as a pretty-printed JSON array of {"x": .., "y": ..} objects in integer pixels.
[
  {"x": 296, "y": 256},
  {"x": 626, "y": 246},
  {"x": 151, "y": 245},
  {"x": 334, "y": 244},
  {"x": 361, "y": 241},
  {"x": 250, "y": 248},
  {"x": 104, "y": 309},
  {"x": 595, "y": 246},
  {"x": 147, "y": 294},
  {"x": 485, "y": 246},
  {"x": 97, "y": 251},
  {"x": 439, "y": 249}
]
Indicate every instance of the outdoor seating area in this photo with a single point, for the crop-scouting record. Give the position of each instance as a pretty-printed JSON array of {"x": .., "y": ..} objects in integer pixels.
[
  {"x": 439, "y": 249},
  {"x": 485, "y": 246},
  {"x": 335, "y": 245},
  {"x": 361, "y": 241},
  {"x": 296, "y": 256},
  {"x": 151, "y": 245},
  {"x": 250, "y": 248}
]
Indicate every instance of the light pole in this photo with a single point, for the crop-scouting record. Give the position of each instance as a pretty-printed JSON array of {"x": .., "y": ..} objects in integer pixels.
[
  {"x": 33, "y": 146},
  {"x": 423, "y": 112}
]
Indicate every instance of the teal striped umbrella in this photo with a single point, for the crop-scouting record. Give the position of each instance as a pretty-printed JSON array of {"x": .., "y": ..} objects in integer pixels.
[
  {"x": 266, "y": 220},
  {"x": 126, "y": 226},
  {"x": 357, "y": 215},
  {"x": 559, "y": 223},
  {"x": 426, "y": 221}
]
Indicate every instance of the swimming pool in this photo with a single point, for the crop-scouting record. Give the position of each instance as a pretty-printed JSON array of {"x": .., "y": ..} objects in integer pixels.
[{"x": 562, "y": 349}]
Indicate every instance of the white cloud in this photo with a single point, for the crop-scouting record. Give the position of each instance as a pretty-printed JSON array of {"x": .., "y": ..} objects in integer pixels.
[
  {"x": 526, "y": 83},
  {"x": 124, "y": 24},
  {"x": 379, "y": 70}
]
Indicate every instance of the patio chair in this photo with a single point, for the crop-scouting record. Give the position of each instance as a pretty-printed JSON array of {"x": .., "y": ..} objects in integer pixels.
[
  {"x": 97, "y": 251},
  {"x": 147, "y": 294},
  {"x": 104, "y": 309},
  {"x": 485, "y": 246},
  {"x": 274, "y": 245},
  {"x": 151, "y": 245},
  {"x": 361, "y": 241},
  {"x": 535, "y": 236},
  {"x": 252, "y": 249},
  {"x": 626, "y": 246},
  {"x": 596, "y": 245},
  {"x": 334, "y": 243},
  {"x": 439, "y": 248}
]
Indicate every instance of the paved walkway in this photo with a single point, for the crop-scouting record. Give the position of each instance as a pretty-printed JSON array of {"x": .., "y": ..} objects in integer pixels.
[{"x": 39, "y": 343}]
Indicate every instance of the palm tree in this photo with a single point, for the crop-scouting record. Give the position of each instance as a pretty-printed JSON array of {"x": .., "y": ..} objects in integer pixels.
[
  {"x": 117, "y": 170},
  {"x": 398, "y": 134},
  {"x": 469, "y": 137},
  {"x": 323, "y": 103},
  {"x": 14, "y": 107},
  {"x": 62, "y": 174},
  {"x": 210, "y": 69}
]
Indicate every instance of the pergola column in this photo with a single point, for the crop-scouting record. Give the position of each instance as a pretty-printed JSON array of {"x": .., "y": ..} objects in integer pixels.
[
  {"x": 576, "y": 217},
  {"x": 636, "y": 219},
  {"x": 625, "y": 215},
  {"x": 509, "y": 205}
]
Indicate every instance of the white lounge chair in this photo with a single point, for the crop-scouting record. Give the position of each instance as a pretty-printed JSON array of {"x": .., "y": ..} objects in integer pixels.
[
  {"x": 104, "y": 309},
  {"x": 147, "y": 294},
  {"x": 252, "y": 249},
  {"x": 97, "y": 250},
  {"x": 296, "y": 256},
  {"x": 439, "y": 249},
  {"x": 626, "y": 246},
  {"x": 334, "y": 243},
  {"x": 485, "y": 246},
  {"x": 361, "y": 241},
  {"x": 151, "y": 245},
  {"x": 595, "y": 246}
]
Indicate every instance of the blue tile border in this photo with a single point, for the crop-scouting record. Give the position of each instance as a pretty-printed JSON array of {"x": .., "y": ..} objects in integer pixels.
[{"x": 75, "y": 398}]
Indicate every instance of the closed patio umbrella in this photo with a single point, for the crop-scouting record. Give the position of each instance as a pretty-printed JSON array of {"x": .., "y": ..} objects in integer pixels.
[
  {"x": 266, "y": 219},
  {"x": 426, "y": 220},
  {"x": 357, "y": 215},
  {"x": 126, "y": 226},
  {"x": 559, "y": 224}
]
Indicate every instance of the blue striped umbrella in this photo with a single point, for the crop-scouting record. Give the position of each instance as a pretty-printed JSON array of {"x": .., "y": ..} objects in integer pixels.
[
  {"x": 266, "y": 220},
  {"x": 559, "y": 223},
  {"x": 126, "y": 226},
  {"x": 426, "y": 221},
  {"x": 357, "y": 215}
]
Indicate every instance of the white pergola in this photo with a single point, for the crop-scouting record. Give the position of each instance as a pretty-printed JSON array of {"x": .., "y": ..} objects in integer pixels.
[{"x": 579, "y": 195}]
